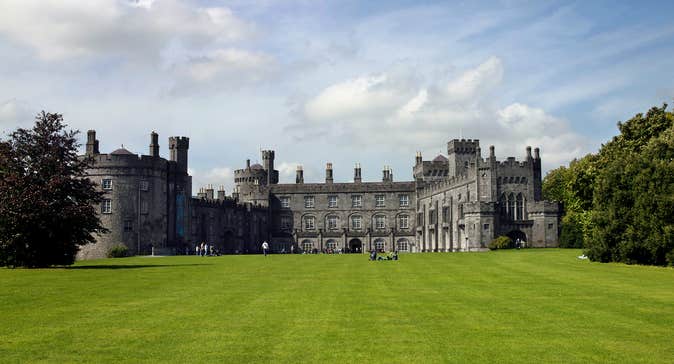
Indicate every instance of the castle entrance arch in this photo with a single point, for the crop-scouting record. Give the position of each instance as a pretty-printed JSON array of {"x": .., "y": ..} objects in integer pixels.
[
  {"x": 514, "y": 235},
  {"x": 355, "y": 246}
]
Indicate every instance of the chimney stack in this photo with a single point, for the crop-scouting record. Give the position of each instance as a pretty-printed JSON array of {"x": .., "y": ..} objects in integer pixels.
[
  {"x": 328, "y": 173},
  {"x": 529, "y": 152},
  {"x": 419, "y": 160},
  {"x": 387, "y": 175},
  {"x": 92, "y": 143},
  {"x": 221, "y": 193},
  {"x": 154, "y": 144},
  {"x": 356, "y": 174},
  {"x": 299, "y": 176},
  {"x": 492, "y": 154},
  {"x": 537, "y": 153},
  {"x": 209, "y": 192}
]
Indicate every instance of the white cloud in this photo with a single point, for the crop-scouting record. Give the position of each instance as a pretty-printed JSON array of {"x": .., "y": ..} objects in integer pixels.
[
  {"x": 394, "y": 111},
  {"x": 63, "y": 29}
]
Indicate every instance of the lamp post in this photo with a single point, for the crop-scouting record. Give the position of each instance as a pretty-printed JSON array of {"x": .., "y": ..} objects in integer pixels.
[{"x": 138, "y": 234}]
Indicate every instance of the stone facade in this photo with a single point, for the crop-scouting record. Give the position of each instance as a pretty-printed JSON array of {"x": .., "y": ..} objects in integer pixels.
[{"x": 458, "y": 202}]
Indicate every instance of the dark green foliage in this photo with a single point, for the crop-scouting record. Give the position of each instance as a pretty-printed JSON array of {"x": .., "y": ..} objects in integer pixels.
[
  {"x": 46, "y": 203},
  {"x": 501, "y": 242},
  {"x": 572, "y": 231},
  {"x": 619, "y": 203},
  {"x": 118, "y": 251}
]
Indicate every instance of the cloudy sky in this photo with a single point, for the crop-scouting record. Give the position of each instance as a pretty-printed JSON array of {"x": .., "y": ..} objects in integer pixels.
[{"x": 340, "y": 82}]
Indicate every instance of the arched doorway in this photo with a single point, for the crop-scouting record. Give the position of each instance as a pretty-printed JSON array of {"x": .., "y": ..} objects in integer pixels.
[
  {"x": 355, "y": 246},
  {"x": 516, "y": 235}
]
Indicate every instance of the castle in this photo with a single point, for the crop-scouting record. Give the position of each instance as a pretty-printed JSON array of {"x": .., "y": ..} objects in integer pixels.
[{"x": 455, "y": 203}]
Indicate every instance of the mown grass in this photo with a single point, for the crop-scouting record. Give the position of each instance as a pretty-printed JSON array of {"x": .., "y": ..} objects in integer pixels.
[{"x": 505, "y": 306}]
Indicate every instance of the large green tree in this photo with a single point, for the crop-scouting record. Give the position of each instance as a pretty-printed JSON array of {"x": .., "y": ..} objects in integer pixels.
[
  {"x": 619, "y": 202},
  {"x": 47, "y": 205}
]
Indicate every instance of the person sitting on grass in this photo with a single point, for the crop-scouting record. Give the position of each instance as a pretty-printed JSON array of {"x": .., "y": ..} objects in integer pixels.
[{"x": 373, "y": 255}]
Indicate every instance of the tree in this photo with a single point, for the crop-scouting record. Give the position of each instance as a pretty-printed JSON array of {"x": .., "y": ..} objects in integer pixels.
[{"x": 47, "y": 205}]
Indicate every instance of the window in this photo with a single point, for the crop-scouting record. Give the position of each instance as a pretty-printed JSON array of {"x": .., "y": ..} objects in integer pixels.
[
  {"x": 356, "y": 222},
  {"x": 285, "y": 202},
  {"x": 331, "y": 245},
  {"x": 106, "y": 184},
  {"x": 445, "y": 214},
  {"x": 307, "y": 246},
  {"x": 432, "y": 216},
  {"x": 144, "y": 209},
  {"x": 380, "y": 222},
  {"x": 332, "y": 201},
  {"x": 106, "y": 206},
  {"x": 379, "y": 244},
  {"x": 380, "y": 200},
  {"x": 485, "y": 226},
  {"x": 519, "y": 207},
  {"x": 403, "y": 222},
  {"x": 403, "y": 245},
  {"x": 309, "y": 223},
  {"x": 550, "y": 226},
  {"x": 144, "y": 185},
  {"x": 420, "y": 218},
  {"x": 128, "y": 225},
  {"x": 286, "y": 222},
  {"x": 404, "y": 200},
  {"x": 309, "y": 202},
  {"x": 356, "y": 201},
  {"x": 332, "y": 222}
]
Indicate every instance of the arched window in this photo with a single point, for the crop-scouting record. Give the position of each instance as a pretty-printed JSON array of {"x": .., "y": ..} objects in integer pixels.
[
  {"x": 379, "y": 222},
  {"x": 331, "y": 244},
  {"x": 356, "y": 222},
  {"x": 380, "y": 245},
  {"x": 309, "y": 222},
  {"x": 403, "y": 245},
  {"x": 307, "y": 246},
  {"x": 503, "y": 205},
  {"x": 511, "y": 206},
  {"x": 520, "y": 207},
  {"x": 332, "y": 222}
]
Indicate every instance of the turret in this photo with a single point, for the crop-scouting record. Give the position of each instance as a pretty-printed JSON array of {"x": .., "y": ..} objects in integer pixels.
[
  {"x": 268, "y": 164},
  {"x": 154, "y": 144},
  {"x": 178, "y": 147},
  {"x": 529, "y": 153},
  {"x": 92, "y": 143},
  {"x": 328, "y": 173},
  {"x": 356, "y": 174},
  {"x": 418, "y": 159},
  {"x": 299, "y": 175},
  {"x": 492, "y": 154},
  {"x": 460, "y": 153},
  {"x": 537, "y": 154}
]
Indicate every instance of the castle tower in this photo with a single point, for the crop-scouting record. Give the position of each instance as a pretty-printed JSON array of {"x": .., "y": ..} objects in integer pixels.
[
  {"x": 268, "y": 164},
  {"x": 178, "y": 147},
  {"x": 154, "y": 144},
  {"x": 460, "y": 154}
]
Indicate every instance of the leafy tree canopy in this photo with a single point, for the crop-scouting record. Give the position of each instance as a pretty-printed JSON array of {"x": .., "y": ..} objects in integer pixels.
[{"x": 46, "y": 202}]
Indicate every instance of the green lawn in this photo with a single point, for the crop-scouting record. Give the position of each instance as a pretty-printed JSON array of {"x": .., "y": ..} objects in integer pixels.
[{"x": 508, "y": 306}]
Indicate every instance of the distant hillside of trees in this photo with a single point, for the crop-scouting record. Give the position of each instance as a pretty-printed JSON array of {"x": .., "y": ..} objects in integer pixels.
[{"x": 619, "y": 202}]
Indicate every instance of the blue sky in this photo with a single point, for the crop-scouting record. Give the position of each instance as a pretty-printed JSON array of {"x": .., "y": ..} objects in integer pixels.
[{"x": 341, "y": 82}]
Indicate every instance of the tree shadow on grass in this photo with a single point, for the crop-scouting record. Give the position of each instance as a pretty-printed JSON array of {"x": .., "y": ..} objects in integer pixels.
[{"x": 130, "y": 266}]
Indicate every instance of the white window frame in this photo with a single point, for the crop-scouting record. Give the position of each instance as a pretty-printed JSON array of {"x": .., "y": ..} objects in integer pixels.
[
  {"x": 106, "y": 206},
  {"x": 356, "y": 201},
  {"x": 380, "y": 222},
  {"x": 309, "y": 202},
  {"x": 331, "y": 244},
  {"x": 309, "y": 223},
  {"x": 285, "y": 202},
  {"x": 333, "y": 222},
  {"x": 144, "y": 185},
  {"x": 332, "y": 201},
  {"x": 404, "y": 200},
  {"x": 404, "y": 222},
  {"x": 106, "y": 184},
  {"x": 403, "y": 245},
  {"x": 380, "y": 200},
  {"x": 307, "y": 244},
  {"x": 379, "y": 244},
  {"x": 356, "y": 219}
]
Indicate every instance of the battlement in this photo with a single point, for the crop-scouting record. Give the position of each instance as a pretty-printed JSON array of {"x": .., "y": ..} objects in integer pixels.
[
  {"x": 449, "y": 183},
  {"x": 179, "y": 142},
  {"x": 127, "y": 161},
  {"x": 463, "y": 146},
  {"x": 267, "y": 154}
]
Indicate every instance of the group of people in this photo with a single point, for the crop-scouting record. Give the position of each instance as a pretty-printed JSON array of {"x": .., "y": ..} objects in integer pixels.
[
  {"x": 388, "y": 256},
  {"x": 204, "y": 249}
]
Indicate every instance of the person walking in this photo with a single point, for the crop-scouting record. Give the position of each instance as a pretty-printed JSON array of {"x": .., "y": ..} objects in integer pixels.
[
  {"x": 265, "y": 248},
  {"x": 196, "y": 249}
]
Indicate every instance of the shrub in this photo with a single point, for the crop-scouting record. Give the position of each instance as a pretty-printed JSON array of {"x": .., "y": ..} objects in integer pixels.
[
  {"x": 501, "y": 242},
  {"x": 118, "y": 251}
]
